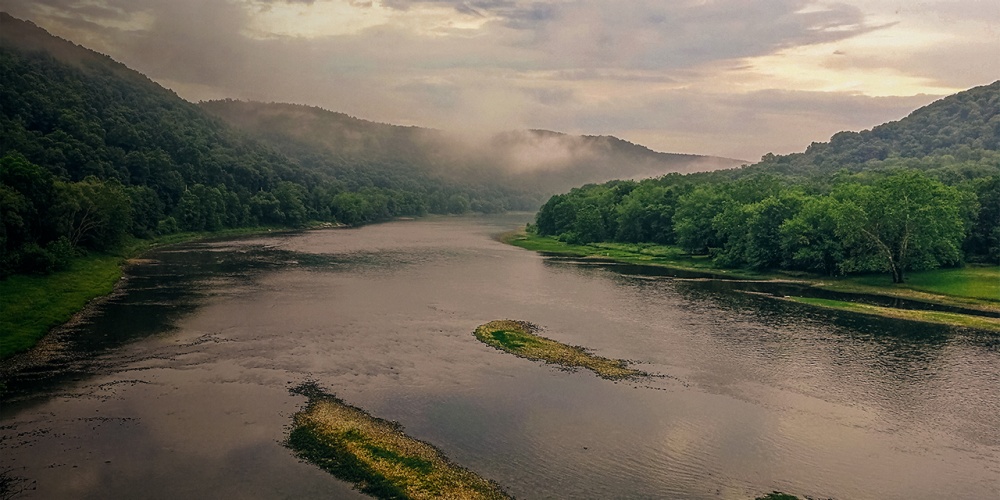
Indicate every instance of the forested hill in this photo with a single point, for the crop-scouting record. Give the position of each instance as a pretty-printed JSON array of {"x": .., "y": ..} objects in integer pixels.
[
  {"x": 528, "y": 159},
  {"x": 92, "y": 153},
  {"x": 962, "y": 126},
  {"x": 918, "y": 193}
]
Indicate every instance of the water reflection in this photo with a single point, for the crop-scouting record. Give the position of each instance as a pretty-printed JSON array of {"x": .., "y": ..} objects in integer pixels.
[{"x": 191, "y": 368}]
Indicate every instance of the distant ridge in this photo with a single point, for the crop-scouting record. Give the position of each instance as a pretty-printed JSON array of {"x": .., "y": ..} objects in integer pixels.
[
  {"x": 548, "y": 160},
  {"x": 961, "y": 125}
]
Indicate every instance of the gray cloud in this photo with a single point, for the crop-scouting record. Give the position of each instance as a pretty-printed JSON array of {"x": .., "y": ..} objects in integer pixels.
[{"x": 530, "y": 66}]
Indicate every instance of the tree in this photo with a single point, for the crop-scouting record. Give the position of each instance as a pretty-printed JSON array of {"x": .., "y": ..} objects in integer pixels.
[
  {"x": 93, "y": 213},
  {"x": 905, "y": 221},
  {"x": 693, "y": 218},
  {"x": 809, "y": 239},
  {"x": 750, "y": 232}
]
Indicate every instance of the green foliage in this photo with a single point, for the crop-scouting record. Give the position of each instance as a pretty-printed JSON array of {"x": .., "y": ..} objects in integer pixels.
[
  {"x": 94, "y": 153},
  {"x": 905, "y": 221},
  {"x": 911, "y": 195},
  {"x": 809, "y": 239}
]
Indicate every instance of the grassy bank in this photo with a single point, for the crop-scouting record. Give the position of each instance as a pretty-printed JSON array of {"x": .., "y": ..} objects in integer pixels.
[
  {"x": 32, "y": 305},
  {"x": 376, "y": 455},
  {"x": 975, "y": 286},
  {"x": 972, "y": 287},
  {"x": 943, "y": 318},
  {"x": 519, "y": 339},
  {"x": 631, "y": 253}
]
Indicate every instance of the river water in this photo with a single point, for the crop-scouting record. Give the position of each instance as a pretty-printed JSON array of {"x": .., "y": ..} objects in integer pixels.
[{"x": 179, "y": 385}]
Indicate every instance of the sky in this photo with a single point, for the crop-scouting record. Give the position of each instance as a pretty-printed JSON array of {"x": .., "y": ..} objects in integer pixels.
[{"x": 733, "y": 78}]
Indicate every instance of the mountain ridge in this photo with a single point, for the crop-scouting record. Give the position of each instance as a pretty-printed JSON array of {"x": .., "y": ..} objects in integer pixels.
[{"x": 532, "y": 156}]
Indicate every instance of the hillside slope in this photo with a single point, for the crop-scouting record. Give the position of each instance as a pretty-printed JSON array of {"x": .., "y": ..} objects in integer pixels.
[
  {"x": 92, "y": 152},
  {"x": 964, "y": 126},
  {"x": 539, "y": 159}
]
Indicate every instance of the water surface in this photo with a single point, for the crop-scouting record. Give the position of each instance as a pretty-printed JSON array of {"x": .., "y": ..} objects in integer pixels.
[{"x": 179, "y": 385}]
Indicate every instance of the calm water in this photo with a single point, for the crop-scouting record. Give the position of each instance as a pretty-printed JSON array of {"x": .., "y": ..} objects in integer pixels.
[{"x": 178, "y": 387}]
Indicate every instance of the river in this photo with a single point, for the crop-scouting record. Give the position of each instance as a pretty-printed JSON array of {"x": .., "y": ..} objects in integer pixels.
[{"x": 178, "y": 386}]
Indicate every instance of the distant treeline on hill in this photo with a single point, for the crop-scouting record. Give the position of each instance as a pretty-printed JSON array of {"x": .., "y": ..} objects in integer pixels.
[
  {"x": 915, "y": 194},
  {"x": 93, "y": 153}
]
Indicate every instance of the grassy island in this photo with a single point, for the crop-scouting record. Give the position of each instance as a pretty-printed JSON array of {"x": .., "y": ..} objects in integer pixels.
[
  {"x": 376, "y": 455},
  {"x": 519, "y": 339}
]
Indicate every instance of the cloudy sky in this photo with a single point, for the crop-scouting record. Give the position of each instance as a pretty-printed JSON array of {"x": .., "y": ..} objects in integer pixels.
[{"x": 736, "y": 78}]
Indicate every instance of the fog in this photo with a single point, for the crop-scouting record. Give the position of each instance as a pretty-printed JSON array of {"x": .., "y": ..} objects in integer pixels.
[{"x": 545, "y": 160}]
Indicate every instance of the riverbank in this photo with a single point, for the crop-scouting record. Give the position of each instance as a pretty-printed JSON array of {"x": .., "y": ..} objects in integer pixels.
[
  {"x": 34, "y": 305},
  {"x": 375, "y": 455},
  {"x": 974, "y": 288}
]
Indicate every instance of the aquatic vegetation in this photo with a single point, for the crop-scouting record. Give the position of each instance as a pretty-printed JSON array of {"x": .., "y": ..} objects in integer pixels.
[
  {"x": 376, "y": 455},
  {"x": 519, "y": 339},
  {"x": 777, "y": 495}
]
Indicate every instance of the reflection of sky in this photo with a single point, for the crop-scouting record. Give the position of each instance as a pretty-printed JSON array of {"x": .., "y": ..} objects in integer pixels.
[
  {"x": 757, "y": 394},
  {"x": 735, "y": 78}
]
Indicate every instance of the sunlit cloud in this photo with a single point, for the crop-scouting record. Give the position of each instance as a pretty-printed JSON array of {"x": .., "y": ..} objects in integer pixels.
[{"x": 732, "y": 77}]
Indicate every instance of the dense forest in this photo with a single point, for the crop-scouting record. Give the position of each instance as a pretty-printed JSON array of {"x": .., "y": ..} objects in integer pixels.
[
  {"x": 93, "y": 153},
  {"x": 915, "y": 194}
]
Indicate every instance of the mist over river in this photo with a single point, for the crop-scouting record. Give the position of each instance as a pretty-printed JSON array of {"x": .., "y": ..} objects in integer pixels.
[{"x": 178, "y": 386}]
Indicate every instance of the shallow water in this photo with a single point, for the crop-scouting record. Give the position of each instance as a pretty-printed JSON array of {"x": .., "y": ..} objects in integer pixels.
[{"x": 179, "y": 386}]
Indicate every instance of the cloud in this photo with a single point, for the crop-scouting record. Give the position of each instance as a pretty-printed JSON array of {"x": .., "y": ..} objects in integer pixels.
[{"x": 684, "y": 75}]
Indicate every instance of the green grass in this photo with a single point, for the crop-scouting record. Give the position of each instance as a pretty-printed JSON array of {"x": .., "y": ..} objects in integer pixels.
[
  {"x": 970, "y": 282},
  {"x": 648, "y": 254},
  {"x": 519, "y": 339},
  {"x": 972, "y": 287},
  {"x": 376, "y": 455},
  {"x": 943, "y": 318},
  {"x": 33, "y": 305},
  {"x": 30, "y": 306}
]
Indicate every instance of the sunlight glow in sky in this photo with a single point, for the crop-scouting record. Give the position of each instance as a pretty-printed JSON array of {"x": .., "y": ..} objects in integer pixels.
[{"x": 735, "y": 78}]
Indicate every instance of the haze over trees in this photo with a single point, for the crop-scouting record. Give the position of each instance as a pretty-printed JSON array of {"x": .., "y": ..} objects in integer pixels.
[
  {"x": 94, "y": 153},
  {"x": 916, "y": 194},
  {"x": 538, "y": 162}
]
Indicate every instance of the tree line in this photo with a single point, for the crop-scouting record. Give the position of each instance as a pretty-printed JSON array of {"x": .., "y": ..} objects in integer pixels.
[
  {"x": 893, "y": 220},
  {"x": 917, "y": 193},
  {"x": 93, "y": 153}
]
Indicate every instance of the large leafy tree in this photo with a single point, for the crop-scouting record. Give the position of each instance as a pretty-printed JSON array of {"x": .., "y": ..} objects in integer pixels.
[{"x": 902, "y": 222}]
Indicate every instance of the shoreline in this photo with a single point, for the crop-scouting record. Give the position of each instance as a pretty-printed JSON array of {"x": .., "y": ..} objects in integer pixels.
[
  {"x": 35, "y": 307},
  {"x": 971, "y": 311}
]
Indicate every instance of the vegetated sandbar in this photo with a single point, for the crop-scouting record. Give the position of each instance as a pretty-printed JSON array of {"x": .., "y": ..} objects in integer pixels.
[
  {"x": 519, "y": 339},
  {"x": 941, "y": 318},
  {"x": 376, "y": 455}
]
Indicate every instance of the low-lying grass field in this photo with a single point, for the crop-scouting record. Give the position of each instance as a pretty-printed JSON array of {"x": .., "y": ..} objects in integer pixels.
[
  {"x": 944, "y": 318},
  {"x": 33, "y": 305},
  {"x": 975, "y": 282}
]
